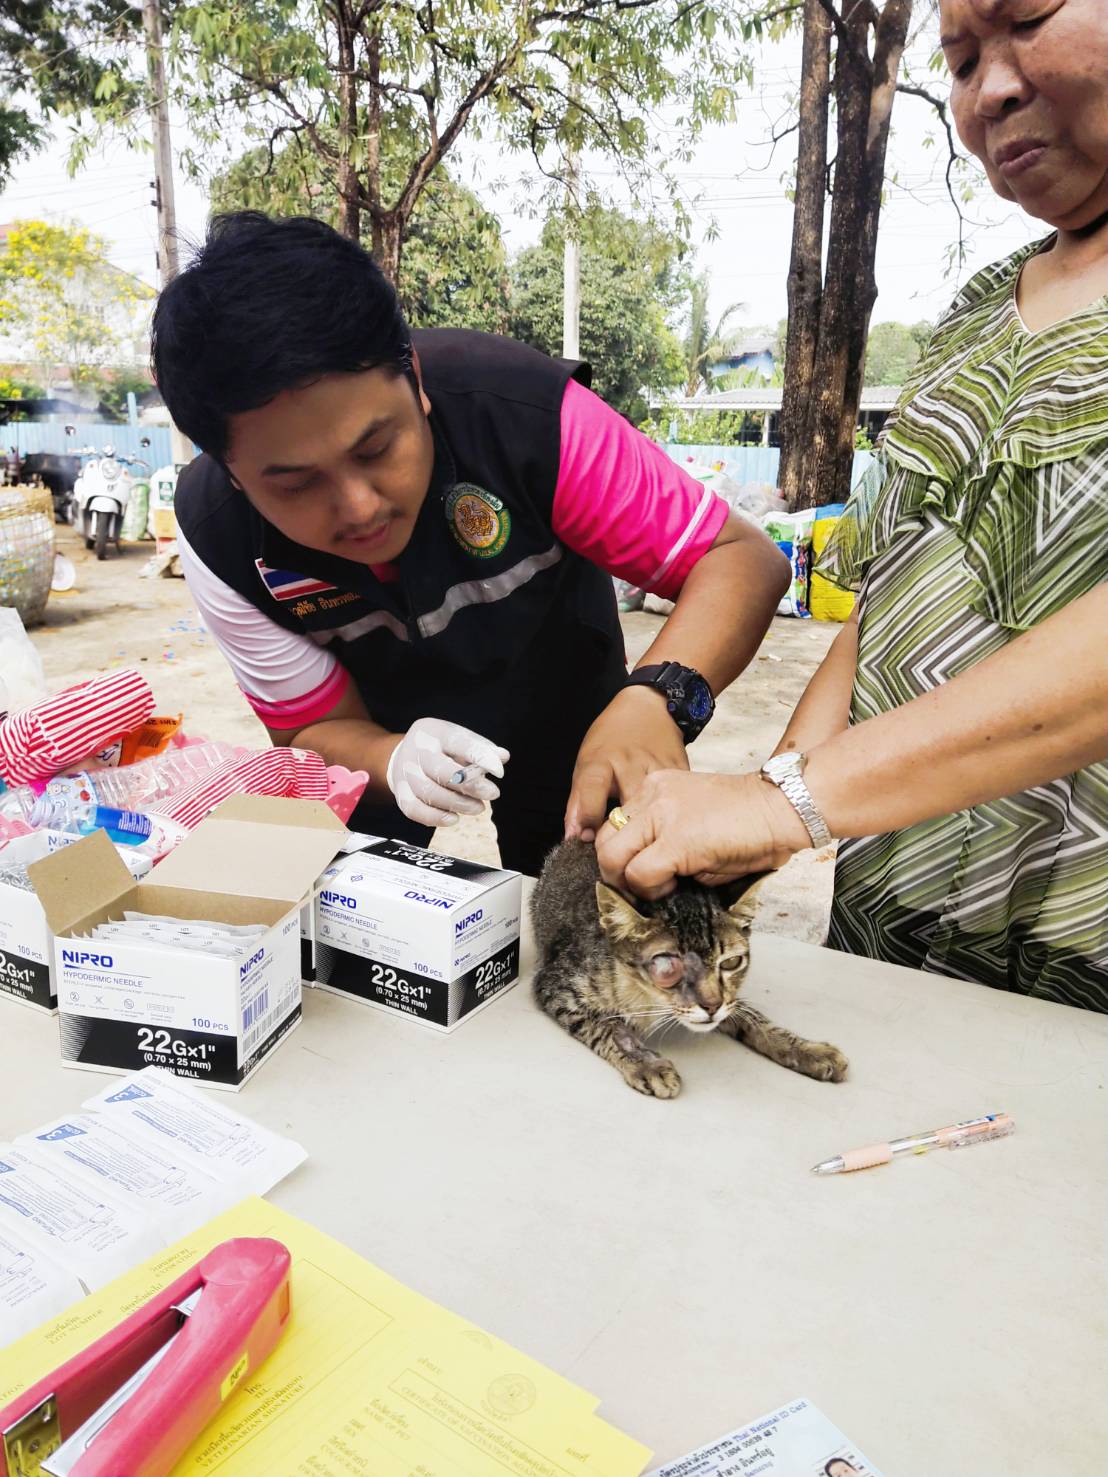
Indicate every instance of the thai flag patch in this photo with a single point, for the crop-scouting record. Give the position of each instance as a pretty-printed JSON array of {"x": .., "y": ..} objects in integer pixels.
[{"x": 286, "y": 584}]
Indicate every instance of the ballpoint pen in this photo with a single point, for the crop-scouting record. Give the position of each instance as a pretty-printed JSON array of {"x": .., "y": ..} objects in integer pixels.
[{"x": 957, "y": 1136}]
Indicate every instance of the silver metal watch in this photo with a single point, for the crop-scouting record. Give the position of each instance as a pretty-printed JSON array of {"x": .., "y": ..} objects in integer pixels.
[{"x": 786, "y": 771}]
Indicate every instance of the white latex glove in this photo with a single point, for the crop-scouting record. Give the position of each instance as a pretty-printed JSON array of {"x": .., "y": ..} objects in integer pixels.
[{"x": 439, "y": 771}]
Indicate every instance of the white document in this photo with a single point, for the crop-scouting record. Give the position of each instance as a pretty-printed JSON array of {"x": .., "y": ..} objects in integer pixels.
[
  {"x": 93, "y": 1148},
  {"x": 154, "y": 1106},
  {"x": 72, "y": 1222},
  {"x": 32, "y": 1287},
  {"x": 796, "y": 1441}
]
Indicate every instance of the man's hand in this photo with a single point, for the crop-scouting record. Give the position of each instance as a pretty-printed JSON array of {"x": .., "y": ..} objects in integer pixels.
[
  {"x": 633, "y": 737},
  {"x": 709, "y": 826},
  {"x": 439, "y": 771}
]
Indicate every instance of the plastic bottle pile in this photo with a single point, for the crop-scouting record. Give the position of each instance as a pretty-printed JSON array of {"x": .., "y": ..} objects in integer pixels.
[{"x": 125, "y": 802}]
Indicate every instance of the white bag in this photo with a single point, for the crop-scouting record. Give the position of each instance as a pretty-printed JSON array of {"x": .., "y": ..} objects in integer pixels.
[{"x": 22, "y": 680}]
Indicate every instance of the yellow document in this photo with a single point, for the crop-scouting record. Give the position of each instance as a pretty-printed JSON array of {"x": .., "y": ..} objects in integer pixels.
[{"x": 371, "y": 1378}]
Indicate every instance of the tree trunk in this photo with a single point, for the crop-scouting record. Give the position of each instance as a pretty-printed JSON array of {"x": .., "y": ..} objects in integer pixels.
[
  {"x": 388, "y": 236},
  {"x": 823, "y": 383},
  {"x": 892, "y": 35},
  {"x": 864, "y": 91},
  {"x": 843, "y": 288},
  {"x": 372, "y": 185},
  {"x": 805, "y": 286},
  {"x": 350, "y": 211}
]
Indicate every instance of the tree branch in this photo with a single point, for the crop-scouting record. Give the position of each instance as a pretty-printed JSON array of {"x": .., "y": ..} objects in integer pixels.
[{"x": 953, "y": 156}]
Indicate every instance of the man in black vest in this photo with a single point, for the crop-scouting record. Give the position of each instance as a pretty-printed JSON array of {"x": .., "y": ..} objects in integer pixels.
[{"x": 404, "y": 543}]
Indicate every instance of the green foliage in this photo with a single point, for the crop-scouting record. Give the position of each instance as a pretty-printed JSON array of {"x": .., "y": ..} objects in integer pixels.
[
  {"x": 705, "y": 344},
  {"x": 113, "y": 389},
  {"x": 750, "y": 378},
  {"x": 780, "y": 339},
  {"x": 61, "y": 297},
  {"x": 454, "y": 271},
  {"x": 583, "y": 76},
  {"x": 13, "y": 387},
  {"x": 631, "y": 286},
  {"x": 58, "y": 57},
  {"x": 892, "y": 351},
  {"x": 704, "y": 427},
  {"x": 19, "y": 135}
]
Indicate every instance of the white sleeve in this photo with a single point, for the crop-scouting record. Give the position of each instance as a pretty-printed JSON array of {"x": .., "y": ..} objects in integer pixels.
[{"x": 287, "y": 679}]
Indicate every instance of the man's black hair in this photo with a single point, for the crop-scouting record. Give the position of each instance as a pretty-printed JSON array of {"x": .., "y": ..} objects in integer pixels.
[{"x": 267, "y": 305}]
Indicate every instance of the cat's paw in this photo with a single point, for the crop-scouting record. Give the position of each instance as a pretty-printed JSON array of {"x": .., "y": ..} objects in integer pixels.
[
  {"x": 821, "y": 1060},
  {"x": 657, "y": 1077}
]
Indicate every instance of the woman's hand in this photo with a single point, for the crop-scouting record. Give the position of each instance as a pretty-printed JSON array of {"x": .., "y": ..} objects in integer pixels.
[
  {"x": 632, "y": 738},
  {"x": 709, "y": 826}
]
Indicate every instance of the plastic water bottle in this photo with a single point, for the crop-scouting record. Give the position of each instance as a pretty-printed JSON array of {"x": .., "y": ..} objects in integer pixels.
[
  {"x": 143, "y": 786},
  {"x": 17, "y": 804},
  {"x": 61, "y": 807},
  {"x": 150, "y": 783}
]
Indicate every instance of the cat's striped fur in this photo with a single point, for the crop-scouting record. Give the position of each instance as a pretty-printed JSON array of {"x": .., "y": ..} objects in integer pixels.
[{"x": 612, "y": 973}]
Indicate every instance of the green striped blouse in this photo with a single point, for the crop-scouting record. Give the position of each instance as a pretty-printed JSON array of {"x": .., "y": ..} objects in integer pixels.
[{"x": 986, "y": 512}]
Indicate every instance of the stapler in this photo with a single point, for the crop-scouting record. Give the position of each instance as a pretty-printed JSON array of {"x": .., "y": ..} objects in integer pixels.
[{"x": 132, "y": 1403}]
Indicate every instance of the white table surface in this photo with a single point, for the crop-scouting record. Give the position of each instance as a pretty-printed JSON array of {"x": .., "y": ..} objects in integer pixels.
[{"x": 677, "y": 1258}]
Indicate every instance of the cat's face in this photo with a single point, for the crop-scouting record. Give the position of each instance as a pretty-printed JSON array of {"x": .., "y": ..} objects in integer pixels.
[{"x": 682, "y": 958}]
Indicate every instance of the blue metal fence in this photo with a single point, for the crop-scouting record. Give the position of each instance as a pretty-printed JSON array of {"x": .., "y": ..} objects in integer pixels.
[
  {"x": 749, "y": 463},
  {"x": 28, "y": 436}
]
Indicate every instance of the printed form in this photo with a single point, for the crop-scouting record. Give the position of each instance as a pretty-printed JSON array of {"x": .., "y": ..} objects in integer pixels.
[
  {"x": 90, "y": 1195},
  {"x": 370, "y": 1377}
]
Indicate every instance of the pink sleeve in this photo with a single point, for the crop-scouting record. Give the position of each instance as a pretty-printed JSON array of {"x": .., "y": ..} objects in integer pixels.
[{"x": 622, "y": 503}]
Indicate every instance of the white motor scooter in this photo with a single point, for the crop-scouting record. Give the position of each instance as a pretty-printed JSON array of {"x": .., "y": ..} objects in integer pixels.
[{"x": 102, "y": 493}]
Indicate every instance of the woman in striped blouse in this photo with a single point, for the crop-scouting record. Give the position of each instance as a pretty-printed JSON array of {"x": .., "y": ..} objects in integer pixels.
[{"x": 956, "y": 736}]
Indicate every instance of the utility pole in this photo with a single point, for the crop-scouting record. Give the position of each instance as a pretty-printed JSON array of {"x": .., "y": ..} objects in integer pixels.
[
  {"x": 166, "y": 255},
  {"x": 571, "y": 293},
  {"x": 571, "y": 263},
  {"x": 163, "y": 153}
]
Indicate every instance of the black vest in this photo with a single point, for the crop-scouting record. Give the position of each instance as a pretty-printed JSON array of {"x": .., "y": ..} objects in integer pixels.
[{"x": 492, "y": 622}]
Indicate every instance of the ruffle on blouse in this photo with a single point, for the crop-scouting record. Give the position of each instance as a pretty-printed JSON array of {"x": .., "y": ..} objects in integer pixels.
[{"x": 1003, "y": 435}]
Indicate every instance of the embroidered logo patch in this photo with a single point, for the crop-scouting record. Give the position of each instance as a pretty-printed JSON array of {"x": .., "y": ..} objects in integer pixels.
[{"x": 478, "y": 520}]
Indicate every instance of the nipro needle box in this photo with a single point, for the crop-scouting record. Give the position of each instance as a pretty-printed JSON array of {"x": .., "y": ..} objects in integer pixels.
[
  {"x": 409, "y": 930},
  {"x": 26, "y": 943},
  {"x": 127, "y": 1004}
]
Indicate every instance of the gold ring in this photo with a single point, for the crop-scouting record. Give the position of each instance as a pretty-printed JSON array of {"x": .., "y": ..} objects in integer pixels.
[{"x": 618, "y": 817}]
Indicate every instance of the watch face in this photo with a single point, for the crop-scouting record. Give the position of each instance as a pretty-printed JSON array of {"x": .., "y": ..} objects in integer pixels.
[{"x": 699, "y": 702}]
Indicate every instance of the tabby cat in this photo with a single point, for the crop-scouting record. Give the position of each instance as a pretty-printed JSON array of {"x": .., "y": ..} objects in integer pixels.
[{"x": 612, "y": 972}]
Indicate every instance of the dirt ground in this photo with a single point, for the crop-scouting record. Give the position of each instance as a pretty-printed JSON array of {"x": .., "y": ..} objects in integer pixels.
[{"x": 116, "y": 618}]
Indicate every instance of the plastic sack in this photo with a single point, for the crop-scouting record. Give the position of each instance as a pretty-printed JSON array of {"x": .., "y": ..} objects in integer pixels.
[
  {"x": 22, "y": 681},
  {"x": 751, "y": 500},
  {"x": 137, "y": 516},
  {"x": 827, "y": 602},
  {"x": 792, "y": 533},
  {"x": 628, "y": 596},
  {"x": 40, "y": 741},
  {"x": 26, "y": 550}
]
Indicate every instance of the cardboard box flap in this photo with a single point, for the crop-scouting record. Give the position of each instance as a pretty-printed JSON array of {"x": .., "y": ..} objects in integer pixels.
[
  {"x": 79, "y": 880},
  {"x": 257, "y": 846}
]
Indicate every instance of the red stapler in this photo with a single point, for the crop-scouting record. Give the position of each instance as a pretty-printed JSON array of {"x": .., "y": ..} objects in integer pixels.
[{"x": 132, "y": 1403}]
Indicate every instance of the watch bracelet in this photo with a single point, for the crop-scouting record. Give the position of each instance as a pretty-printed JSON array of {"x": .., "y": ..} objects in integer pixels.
[{"x": 796, "y": 792}]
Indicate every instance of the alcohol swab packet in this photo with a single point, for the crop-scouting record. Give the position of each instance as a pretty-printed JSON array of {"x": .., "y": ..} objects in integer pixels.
[
  {"x": 154, "y": 1104},
  {"x": 236, "y": 930}
]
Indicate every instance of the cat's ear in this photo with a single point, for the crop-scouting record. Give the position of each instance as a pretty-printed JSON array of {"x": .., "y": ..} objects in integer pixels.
[
  {"x": 740, "y": 898},
  {"x": 618, "y": 918}
]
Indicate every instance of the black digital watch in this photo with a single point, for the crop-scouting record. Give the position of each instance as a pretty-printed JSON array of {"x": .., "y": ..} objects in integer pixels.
[{"x": 689, "y": 699}]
